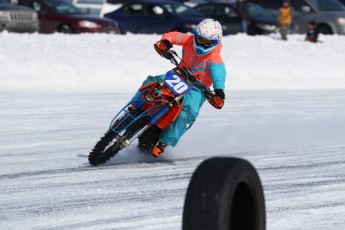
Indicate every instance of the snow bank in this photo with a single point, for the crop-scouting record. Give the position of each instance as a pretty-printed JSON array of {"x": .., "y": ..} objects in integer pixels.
[{"x": 119, "y": 63}]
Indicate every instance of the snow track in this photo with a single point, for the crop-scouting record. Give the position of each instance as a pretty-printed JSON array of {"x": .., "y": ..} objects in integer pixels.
[
  {"x": 303, "y": 188},
  {"x": 46, "y": 182}
]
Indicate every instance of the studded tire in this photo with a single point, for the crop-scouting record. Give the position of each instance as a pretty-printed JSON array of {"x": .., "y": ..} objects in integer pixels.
[{"x": 102, "y": 152}]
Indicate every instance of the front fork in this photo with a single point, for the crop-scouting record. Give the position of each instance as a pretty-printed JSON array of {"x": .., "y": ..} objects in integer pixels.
[{"x": 127, "y": 142}]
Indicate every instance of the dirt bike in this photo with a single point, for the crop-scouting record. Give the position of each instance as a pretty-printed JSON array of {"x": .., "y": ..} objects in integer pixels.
[{"x": 146, "y": 116}]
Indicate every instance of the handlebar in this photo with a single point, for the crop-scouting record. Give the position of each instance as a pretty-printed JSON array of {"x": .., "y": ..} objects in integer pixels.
[{"x": 213, "y": 99}]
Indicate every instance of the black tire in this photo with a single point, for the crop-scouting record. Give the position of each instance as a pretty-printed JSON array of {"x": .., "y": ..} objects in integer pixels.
[
  {"x": 108, "y": 146},
  {"x": 224, "y": 194},
  {"x": 122, "y": 31},
  {"x": 324, "y": 29},
  {"x": 252, "y": 31},
  {"x": 65, "y": 29},
  {"x": 102, "y": 152},
  {"x": 149, "y": 139}
]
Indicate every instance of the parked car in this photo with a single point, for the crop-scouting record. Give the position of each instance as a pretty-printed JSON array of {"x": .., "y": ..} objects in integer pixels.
[
  {"x": 16, "y": 18},
  {"x": 261, "y": 20},
  {"x": 62, "y": 16},
  {"x": 110, "y": 5},
  {"x": 152, "y": 16},
  {"x": 328, "y": 14},
  {"x": 193, "y": 3}
]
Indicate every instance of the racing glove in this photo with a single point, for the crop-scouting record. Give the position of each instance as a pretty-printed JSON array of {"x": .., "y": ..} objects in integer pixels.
[
  {"x": 219, "y": 93},
  {"x": 162, "y": 47}
]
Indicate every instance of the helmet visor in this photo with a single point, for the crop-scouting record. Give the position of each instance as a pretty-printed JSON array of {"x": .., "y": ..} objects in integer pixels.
[{"x": 206, "y": 42}]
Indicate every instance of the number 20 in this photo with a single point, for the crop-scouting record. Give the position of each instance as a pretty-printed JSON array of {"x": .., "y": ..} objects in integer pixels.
[{"x": 178, "y": 85}]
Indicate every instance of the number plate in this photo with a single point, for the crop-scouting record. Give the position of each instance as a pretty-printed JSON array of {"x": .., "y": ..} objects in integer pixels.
[{"x": 176, "y": 84}]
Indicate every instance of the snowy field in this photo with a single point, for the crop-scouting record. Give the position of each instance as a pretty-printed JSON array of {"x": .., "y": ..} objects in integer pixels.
[{"x": 284, "y": 113}]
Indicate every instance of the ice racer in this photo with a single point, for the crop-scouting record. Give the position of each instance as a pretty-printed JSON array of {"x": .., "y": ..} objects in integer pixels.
[{"x": 201, "y": 55}]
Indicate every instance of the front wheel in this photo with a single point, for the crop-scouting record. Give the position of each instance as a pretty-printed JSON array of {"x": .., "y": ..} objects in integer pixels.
[
  {"x": 65, "y": 29},
  {"x": 111, "y": 143},
  {"x": 104, "y": 149}
]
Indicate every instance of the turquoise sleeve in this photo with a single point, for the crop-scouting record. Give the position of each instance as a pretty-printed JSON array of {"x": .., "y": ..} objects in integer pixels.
[{"x": 218, "y": 74}]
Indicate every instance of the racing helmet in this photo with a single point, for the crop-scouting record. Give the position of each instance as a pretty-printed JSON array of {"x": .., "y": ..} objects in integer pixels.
[{"x": 207, "y": 35}]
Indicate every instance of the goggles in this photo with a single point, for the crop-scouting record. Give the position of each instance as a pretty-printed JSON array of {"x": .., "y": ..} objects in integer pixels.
[{"x": 205, "y": 42}]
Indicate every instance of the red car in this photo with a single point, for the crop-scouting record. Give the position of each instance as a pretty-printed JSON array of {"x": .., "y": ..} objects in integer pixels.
[{"x": 61, "y": 16}]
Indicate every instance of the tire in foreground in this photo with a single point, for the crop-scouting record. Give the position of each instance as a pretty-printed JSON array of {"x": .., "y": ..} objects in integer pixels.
[{"x": 224, "y": 194}]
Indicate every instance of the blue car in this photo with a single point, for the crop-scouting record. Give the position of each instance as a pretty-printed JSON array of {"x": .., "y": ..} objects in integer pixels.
[
  {"x": 261, "y": 20},
  {"x": 148, "y": 17}
]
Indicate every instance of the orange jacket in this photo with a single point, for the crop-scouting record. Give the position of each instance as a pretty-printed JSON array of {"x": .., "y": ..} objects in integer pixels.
[
  {"x": 208, "y": 68},
  {"x": 285, "y": 16}
]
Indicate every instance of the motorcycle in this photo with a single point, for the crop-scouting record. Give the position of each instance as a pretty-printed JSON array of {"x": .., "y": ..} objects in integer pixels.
[{"x": 146, "y": 116}]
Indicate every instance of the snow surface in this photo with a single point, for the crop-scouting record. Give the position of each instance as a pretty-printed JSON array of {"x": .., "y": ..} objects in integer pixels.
[{"x": 284, "y": 113}]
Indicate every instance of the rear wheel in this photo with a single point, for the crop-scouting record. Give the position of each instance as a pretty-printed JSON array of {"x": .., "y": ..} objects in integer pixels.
[
  {"x": 65, "y": 29},
  {"x": 324, "y": 29},
  {"x": 149, "y": 139},
  {"x": 224, "y": 194}
]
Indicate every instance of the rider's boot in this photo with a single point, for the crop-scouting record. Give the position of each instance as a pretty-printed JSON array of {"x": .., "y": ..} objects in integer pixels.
[{"x": 158, "y": 149}]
